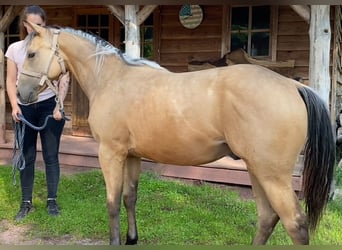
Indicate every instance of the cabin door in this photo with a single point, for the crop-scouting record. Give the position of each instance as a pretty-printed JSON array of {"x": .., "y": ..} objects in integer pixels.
[{"x": 101, "y": 23}]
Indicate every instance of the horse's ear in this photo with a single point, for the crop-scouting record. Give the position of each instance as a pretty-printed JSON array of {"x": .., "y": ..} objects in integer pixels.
[{"x": 37, "y": 28}]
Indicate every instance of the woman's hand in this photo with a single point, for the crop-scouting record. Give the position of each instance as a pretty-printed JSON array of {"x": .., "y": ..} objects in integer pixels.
[
  {"x": 15, "y": 111},
  {"x": 57, "y": 115}
]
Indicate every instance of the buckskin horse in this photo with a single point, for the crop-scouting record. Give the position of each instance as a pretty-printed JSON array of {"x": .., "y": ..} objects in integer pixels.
[{"x": 140, "y": 109}]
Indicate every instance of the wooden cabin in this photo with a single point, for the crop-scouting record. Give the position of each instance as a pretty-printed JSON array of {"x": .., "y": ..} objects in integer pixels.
[{"x": 272, "y": 35}]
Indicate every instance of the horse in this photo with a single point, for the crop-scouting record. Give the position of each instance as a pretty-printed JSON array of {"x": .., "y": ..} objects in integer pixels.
[{"x": 139, "y": 109}]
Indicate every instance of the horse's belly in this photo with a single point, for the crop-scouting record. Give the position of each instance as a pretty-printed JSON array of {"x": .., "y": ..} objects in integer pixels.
[{"x": 191, "y": 155}]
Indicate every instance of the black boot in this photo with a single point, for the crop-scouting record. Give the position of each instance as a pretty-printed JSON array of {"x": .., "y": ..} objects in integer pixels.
[
  {"x": 25, "y": 208},
  {"x": 52, "y": 207}
]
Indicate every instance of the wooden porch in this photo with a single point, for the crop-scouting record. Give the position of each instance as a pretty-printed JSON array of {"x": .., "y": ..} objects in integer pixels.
[{"x": 82, "y": 152}]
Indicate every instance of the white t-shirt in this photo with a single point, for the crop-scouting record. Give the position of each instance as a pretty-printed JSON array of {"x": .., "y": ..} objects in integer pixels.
[{"x": 17, "y": 52}]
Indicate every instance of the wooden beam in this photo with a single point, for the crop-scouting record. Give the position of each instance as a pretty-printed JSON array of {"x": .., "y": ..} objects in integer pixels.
[
  {"x": 132, "y": 31},
  {"x": 335, "y": 72},
  {"x": 274, "y": 32},
  {"x": 145, "y": 12},
  {"x": 320, "y": 36},
  {"x": 158, "y": 2},
  {"x": 9, "y": 16},
  {"x": 138, "y": 2},
  {"x": 2, "y": 99},
  {"x": 224, "y": 30},
  {"x": 131, "y": 18},
  {"x": 118, "y": 12},
  {"x": 303, "y": 11}
]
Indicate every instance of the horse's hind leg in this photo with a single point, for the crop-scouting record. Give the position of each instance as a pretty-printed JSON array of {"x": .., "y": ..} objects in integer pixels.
[
  {"x": 278, "y": 189},
  {"x": 267, "y": 218},
  {"x": 130, "y": 188}
]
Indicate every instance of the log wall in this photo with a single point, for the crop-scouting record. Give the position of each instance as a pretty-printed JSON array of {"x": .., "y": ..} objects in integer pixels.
[
  {"x": 179, "y": 45},
  {"x": 293, "y": 41}
]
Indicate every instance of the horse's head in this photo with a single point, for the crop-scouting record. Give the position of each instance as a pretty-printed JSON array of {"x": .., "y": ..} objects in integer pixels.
[{"x": 42, "y": 65}]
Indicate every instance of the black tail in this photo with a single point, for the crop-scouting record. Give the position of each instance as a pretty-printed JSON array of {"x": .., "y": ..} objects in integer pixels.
[{"x": 319, "y": 156}]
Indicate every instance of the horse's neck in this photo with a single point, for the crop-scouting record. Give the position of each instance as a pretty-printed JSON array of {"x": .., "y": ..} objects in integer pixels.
[{"x": 83, "y": 65}]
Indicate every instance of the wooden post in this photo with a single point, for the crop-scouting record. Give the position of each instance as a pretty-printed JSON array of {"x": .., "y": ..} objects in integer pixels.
[
  {"x": 5, "y": 20},
  {"x": 320, "y": 35},
  {"x": 2, "y": 99},
  {"x": 131, "y": 17},
  {"x": 132, "y": 31}
]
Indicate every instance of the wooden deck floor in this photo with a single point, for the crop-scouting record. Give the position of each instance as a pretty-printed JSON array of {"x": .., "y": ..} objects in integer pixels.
[{"x": 82, "y": 152}]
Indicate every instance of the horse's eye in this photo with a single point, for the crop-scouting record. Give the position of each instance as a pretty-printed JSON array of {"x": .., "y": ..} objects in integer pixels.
[{"x": 31, "y": 55}]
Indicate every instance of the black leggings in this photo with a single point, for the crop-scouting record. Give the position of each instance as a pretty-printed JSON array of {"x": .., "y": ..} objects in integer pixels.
[{"x": 50, "y": 140}]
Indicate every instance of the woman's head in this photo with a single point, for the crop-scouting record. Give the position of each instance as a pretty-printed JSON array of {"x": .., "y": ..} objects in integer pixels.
[{"x": 34, "y": 14}]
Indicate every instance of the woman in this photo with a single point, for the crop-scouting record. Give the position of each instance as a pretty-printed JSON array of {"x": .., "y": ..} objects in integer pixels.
[{"x": 36, "y": 113}]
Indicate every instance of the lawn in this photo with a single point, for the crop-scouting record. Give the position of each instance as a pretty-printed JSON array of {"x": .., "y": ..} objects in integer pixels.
[{"x": 168, "y": 212}]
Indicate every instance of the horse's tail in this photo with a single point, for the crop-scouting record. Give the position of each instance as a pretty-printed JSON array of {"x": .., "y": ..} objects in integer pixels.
[{"x": 319, "y": 156}]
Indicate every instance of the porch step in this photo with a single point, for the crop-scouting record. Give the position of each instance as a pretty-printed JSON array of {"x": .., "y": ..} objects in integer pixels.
[
  {"x": 83, "y": 152},
  {"x": 74, "y": 151}
]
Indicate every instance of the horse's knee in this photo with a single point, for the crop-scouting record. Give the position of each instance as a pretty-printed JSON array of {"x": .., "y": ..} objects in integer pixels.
[{"x": 113, "y": 209}]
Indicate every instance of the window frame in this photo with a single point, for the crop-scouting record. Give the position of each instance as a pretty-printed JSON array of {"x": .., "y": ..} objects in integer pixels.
[
  {"x": 8, "y": 34},
  {"x": 272, "y": 30},
  {"x": 98, "y": 12},
  {"x": 144, "y": 41}
]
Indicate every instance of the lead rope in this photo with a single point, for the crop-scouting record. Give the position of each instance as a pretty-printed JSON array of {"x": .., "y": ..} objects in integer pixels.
[{"x": 18, "y": 159}]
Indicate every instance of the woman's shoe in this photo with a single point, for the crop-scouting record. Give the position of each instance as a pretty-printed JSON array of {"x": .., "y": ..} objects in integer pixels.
[
  {"x": 52, "y": 207},
  {"x": 25, "y": 208}
]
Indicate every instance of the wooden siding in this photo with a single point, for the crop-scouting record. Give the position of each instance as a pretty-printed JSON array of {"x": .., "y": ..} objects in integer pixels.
[
  {"x": 336, "y": 78},
  {"x": 179, "y": 46},
  {"x": 293, "y": 41}
]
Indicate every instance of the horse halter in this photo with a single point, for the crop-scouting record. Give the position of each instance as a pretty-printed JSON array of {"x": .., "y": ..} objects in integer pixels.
[{"x": 43, "y": 76}]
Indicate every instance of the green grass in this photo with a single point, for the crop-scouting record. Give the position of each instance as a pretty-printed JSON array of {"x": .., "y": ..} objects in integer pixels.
[{"x": 168, "y": 212}]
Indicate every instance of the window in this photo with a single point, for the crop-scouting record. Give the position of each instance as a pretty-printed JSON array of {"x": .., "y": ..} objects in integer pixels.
[
  {"x": 97, "y": 24},
  {"x": 12, "y": 33},
  {"x": 250, "y": 29},
  {"x": 146, "y": 38}
]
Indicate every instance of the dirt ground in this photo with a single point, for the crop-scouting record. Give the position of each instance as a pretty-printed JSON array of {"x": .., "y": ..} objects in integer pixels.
[
  {"x": 11, "y": 234},
  {"x": 19, "y": 234}
]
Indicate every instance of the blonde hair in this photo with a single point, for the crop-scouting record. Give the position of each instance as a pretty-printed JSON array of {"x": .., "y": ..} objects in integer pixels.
[{"x": 30, "y": 9}]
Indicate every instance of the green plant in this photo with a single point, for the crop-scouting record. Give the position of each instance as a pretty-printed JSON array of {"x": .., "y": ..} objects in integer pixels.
[{"x": 168, "y": 212}]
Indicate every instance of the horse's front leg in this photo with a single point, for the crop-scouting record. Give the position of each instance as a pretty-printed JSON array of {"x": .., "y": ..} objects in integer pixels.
[
  {"x": 112, "y": 168},
  {"x": 130, "y": 188}
]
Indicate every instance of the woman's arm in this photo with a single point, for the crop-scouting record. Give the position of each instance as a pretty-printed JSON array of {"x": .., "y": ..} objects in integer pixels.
[
  {"x": 11, "y": 86},
  {"x": 63, "y": 86}
]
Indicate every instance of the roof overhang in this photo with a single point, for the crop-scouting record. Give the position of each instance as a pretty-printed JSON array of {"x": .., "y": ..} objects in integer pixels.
[{"x": 165, "y": 2}]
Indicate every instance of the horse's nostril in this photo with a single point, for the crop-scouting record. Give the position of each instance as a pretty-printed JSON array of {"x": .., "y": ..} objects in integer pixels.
[{"x": 18, "y": 94}]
